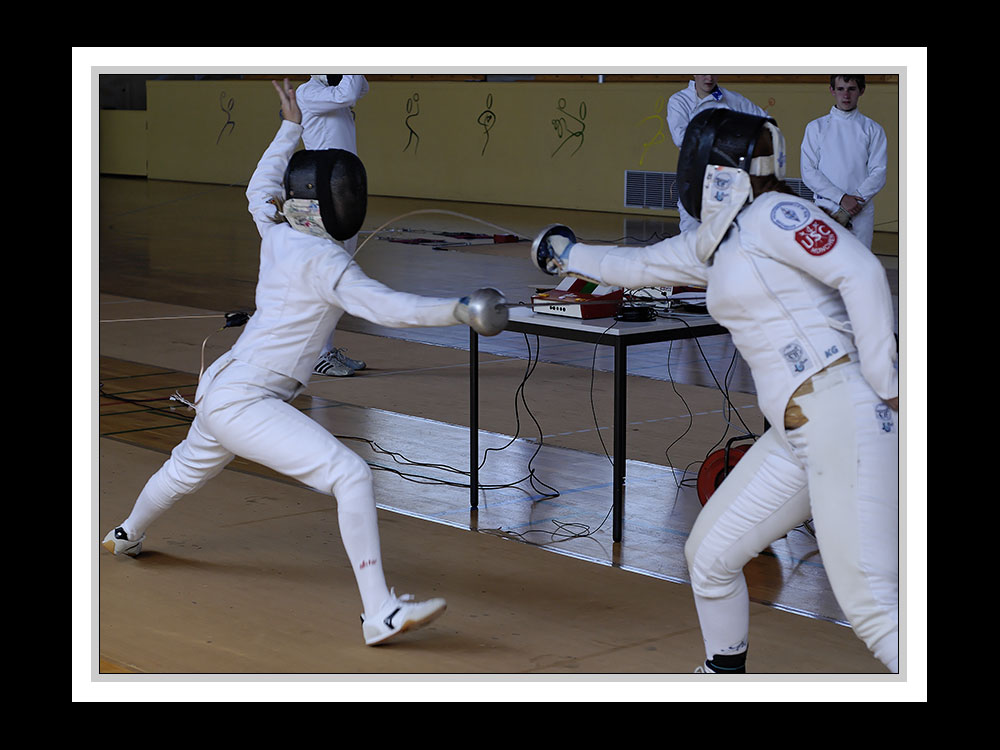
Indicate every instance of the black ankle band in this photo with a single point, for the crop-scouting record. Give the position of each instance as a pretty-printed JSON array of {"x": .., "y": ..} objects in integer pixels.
[{"x": 731, "y": 664}]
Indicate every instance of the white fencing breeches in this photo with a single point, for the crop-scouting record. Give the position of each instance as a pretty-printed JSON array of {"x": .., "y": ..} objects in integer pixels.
[
  {"x": 243, "y": 410},
  {"x": 841, "y": 470}
]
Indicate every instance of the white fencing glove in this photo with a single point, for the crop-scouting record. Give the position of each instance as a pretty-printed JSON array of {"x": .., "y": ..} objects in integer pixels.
[{"x": 551, "y": 248}]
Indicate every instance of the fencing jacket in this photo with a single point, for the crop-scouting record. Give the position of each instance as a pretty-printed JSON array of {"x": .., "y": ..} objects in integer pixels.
[
  {"x": 795, "y": 289},
  {"x": 843, "y": 152},
  {"x": 327, "y": 119},
  {"x": 685, "y": 104},
  {"x": 297, "y": 304}
]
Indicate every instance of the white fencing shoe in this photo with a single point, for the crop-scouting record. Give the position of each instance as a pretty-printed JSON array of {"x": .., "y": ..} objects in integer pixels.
[
  {"x": 399, "y": 614},
  {"x": 118, "y": 543}
]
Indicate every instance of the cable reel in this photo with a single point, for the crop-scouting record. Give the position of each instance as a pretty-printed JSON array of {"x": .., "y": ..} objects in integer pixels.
[{"x": 717, "y": 466}]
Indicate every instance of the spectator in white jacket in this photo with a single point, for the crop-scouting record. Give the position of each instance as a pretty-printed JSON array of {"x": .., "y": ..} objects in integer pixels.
[
  {"x": 844, "y": 157},
  {"x": 326, "y": 102},
  {"x": 703, "y": 92}
]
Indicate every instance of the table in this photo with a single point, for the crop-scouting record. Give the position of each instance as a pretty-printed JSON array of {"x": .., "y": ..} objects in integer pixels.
[{"x": 594, "y": 331}]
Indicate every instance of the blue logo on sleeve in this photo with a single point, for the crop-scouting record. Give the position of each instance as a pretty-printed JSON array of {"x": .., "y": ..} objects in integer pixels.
[{"x": 789, "y": 215}]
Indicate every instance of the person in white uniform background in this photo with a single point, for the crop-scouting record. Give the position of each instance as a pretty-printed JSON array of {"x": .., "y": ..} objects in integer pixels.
[
  {"x": 703, "y": 92},
  {"x": 326, "y": 102},
  {"x": 809, "y": 308},
  {"x": 304, "y": 204},
  {"x": 844, "y": 158}
]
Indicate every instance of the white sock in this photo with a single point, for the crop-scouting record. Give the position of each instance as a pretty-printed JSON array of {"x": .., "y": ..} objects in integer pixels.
[
  {"x": 153, "y": 502},
  {"x": 358, "y": 519}
]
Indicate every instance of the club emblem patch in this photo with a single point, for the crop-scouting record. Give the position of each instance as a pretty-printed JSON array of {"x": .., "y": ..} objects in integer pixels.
[
  {"x": 789, "y": 215},
  {"x": 795, "y": 356},
  {"x": 884, "y": 417},
  {"x": 818, "y": 238}
]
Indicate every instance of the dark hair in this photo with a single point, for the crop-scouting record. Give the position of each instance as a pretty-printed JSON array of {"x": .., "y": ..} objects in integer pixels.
[{"x": 860, "y": 79}]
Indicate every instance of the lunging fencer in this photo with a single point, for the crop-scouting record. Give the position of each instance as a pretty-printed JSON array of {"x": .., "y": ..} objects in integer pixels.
[
  {"x": 809, "y": 308},
  {"x": 304, "y": 204}
]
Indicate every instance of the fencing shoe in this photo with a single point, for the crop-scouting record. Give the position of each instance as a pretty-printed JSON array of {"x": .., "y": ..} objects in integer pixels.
[
  {"x": 735, "y": 664},
  {"x": 400, "y": 614},
  {"x": 118, "y": 543}
]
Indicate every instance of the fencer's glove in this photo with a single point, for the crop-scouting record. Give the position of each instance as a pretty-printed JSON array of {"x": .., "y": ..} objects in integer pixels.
[
  {"x": 551, "y": 248},
  {"x": 484, "y": 311}
]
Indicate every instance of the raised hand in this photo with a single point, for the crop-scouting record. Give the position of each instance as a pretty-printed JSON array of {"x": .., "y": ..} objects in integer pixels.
[{"x": 289, "y": 107}]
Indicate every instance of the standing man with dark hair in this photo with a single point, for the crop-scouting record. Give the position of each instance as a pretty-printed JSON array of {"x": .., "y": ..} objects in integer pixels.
[{"x": 844, "y": 159}]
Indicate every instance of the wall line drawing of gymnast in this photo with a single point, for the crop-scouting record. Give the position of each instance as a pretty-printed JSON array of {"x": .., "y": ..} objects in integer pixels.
[
  {"x": 563, "y": 127},
  {"x": 412, "y": 109}
]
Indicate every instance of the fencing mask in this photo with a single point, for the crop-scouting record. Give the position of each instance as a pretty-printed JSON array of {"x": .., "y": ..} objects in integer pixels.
[
  {"x": 714, "y": 169},
  {"x": 326, "y": 193},
  {"x": 724, "y": 138}
]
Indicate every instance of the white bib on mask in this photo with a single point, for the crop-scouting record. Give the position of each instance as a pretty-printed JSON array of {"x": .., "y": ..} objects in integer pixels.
[
  {"x": 724, "y": 193},
  {"x": 303, "y": 215}
]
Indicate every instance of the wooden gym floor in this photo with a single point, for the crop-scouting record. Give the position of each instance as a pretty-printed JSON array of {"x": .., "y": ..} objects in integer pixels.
[{"x": 247, "y": 577}]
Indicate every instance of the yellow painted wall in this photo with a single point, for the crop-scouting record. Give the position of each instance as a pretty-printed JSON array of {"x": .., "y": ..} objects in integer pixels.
[
  {"x": 122, "y": 143},
  {"x": 555, "y": 144}
]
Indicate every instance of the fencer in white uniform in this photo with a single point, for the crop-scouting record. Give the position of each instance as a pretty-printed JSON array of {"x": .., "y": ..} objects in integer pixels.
[
  {"x": 303, "y": 206},
  {"x": 809, "y": 309},
  {"x": 846, "y": 153},
  {"x": 701, "y": 94},
  {"x": 326, "y": 102}
]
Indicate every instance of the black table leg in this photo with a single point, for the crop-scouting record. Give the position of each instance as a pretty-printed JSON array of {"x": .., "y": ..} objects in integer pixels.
[
  {"x": 473, "y": 418},
  {"x": 621, "y": 369}
]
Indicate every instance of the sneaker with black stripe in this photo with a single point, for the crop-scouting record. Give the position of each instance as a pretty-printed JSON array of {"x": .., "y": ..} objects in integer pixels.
[
  {"x": 118, "y": 543},
  {"x": 398, "y": 615},
  {"x": 329, "y": 364},
  {"x": 354, "y": 364}
]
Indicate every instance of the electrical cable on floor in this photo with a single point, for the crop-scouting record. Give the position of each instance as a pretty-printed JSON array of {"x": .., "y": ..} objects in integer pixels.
[
  {"x": 723, "y": 390},
  {"x": 397, "y": 457}
]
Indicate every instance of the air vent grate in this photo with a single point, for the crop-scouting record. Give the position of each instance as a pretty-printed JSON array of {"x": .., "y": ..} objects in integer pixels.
[
  {"x": 659, "y": 189},
  {"x": 650, "y": 189},
  {"x": 800, "y": 188}
]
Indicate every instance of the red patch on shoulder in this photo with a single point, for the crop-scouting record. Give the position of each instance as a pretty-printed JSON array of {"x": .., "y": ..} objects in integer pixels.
[{"x": 818, "y": 238}]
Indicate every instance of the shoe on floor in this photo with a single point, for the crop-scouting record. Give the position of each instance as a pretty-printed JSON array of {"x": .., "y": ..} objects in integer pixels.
[
  {"x": 398, "y": 615},
  {"x": 354, "y": 364},
  {"x": 706, "y": 668},
  {"x": 329, "y": 364},
  {"x": 118, "y": 543}
]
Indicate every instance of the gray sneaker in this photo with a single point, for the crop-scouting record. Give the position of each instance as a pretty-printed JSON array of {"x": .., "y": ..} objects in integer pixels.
[
  {"x": 329, "y": 364},
  {"x": 354, "y": 364}
]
